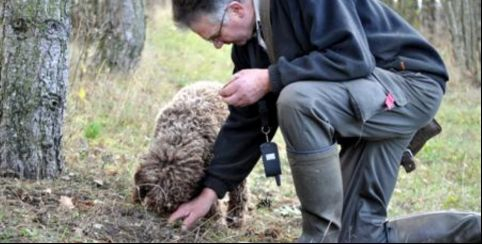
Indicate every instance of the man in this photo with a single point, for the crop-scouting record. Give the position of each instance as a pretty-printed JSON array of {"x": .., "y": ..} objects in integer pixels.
[{"x": 349, "y": 72}]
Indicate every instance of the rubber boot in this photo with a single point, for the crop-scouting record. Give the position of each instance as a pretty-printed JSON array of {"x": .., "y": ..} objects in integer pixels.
[
  {"x": 440, "y": 227},
  {"x": 318, "y": 184}
]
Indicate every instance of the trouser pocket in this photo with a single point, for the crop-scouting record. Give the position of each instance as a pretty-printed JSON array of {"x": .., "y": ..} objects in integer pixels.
[{"x": 380, "y": 92}]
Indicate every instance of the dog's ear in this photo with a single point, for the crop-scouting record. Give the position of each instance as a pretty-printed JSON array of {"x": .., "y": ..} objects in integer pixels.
[
  {"x": 146, "y": 177},
  {"x": 156, "y": 186},
  {"x": 141, "y": 187}
]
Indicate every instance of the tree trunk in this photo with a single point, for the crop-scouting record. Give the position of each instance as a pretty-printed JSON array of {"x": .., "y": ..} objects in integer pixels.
[
  {"x": 86, "y": 15},
  {"x": 409, "y": 10},
  {"x": 431, "y": 19},
  {"x": 115, "y": 29},
  {"x": 33, "y": 80},
  {"x": 463, "y": 21},
  {"x": 121, "y": 46}
]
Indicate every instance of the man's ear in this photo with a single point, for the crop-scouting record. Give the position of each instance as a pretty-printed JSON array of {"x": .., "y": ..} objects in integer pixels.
[{"x": 238, "y": 8}]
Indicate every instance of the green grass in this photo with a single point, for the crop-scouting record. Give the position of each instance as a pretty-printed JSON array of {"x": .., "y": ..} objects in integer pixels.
[
  {"x": 448, "y": 174},
  {"x": 109, "y": 122},
  {"x": 184, "y": 57}
]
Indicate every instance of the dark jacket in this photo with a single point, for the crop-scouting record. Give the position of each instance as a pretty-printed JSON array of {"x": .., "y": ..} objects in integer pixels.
[{"x": 324, "y": 40}]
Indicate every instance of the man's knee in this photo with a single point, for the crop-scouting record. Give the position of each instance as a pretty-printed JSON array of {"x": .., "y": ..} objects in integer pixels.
[
  {"x": 294, "y": 96},
  {"x": 309, "y": 98},
  {"x": 304, "y": 124},
  {"x": 294, "y": 104}
]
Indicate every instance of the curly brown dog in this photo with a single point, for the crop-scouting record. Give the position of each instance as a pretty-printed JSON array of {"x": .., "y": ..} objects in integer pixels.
[{"x": 180, "y": 152}]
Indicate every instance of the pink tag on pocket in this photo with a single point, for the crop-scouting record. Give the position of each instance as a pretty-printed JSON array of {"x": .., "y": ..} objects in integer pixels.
[{"x": 390, "y": 101}]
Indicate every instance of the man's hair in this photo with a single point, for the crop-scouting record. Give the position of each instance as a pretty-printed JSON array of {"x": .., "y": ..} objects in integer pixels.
[{"x": 187, "y": 11}]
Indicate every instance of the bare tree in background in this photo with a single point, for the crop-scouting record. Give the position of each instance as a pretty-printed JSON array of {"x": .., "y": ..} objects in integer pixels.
[
  {"x": 123, "y": 41},
  {"x": 87, "y": 20},
  {"x": 410, "y": 11},
  {"x": 406, "y": 8},
  {"x": 33, "y": 82},
  {"x": 113, "y": 31},
  {"x": 431, "y": 19},
  {"x": 457, "y": 23},
  {"x": 463, "y": 21}
]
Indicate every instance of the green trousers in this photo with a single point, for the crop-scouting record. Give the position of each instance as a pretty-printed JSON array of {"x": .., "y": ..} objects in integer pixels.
[{"x": 373, "y": 119}]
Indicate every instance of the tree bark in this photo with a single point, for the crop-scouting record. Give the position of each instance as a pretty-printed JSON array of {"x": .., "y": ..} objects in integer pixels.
[
  {"x": 115, "y": 29},
  {"x": 463, "y": 21},
  {"x": 33, "y": 82},
  {"x": 409, "y": 10},
  {"x": 430, "y": 17},
  {"x": 121, "y": 46},
  {"x": 86, "y": 15}
]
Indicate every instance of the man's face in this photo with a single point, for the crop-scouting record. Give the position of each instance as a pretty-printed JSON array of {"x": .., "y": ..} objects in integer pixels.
[{"x": 236, "y": 26}]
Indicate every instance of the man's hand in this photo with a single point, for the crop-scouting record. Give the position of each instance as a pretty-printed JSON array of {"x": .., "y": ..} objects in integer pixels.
[
  {"x": 194, "y": 210},
  {"x": 246, "y": 87}
]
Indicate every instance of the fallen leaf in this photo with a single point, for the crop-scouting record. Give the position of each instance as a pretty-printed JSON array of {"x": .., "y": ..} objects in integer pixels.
[
  {"x": 66, "y": 202},
  {"x": 82, "y": 94},
  {"x": 98, "y": 226},
  {"x": 98, "y": 202},
  {"x": 111, "y": 172},
  {"x": 99, "y": 183}
]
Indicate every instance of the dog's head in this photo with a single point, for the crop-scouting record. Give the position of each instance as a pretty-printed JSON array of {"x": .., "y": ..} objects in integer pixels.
[{"x": 164, "y": 183}]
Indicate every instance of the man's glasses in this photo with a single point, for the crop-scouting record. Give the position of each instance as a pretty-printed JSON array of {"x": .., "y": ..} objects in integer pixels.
[{"x": 214, "y": 38}]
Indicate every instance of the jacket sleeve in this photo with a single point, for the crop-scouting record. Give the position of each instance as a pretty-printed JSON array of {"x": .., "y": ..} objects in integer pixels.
[
  {"x": 236, "y": 150},
  {"x": 338, "y": 49}
]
